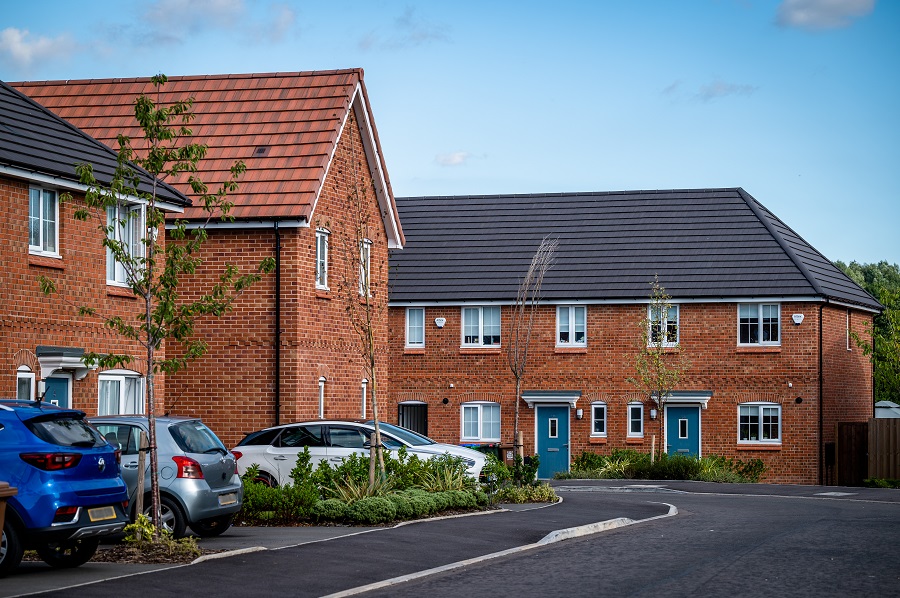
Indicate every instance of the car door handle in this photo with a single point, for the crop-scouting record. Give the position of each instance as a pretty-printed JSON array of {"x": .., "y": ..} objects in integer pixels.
[
  {"x": 279, "y": 458},
  {"x": 336, "y": 459},
  {"x": 129, "y": 465}
]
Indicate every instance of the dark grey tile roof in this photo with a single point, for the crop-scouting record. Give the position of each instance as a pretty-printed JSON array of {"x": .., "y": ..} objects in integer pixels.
[
  {"x": 34, "y": 139},
  {"x": 702, "y": 243}
]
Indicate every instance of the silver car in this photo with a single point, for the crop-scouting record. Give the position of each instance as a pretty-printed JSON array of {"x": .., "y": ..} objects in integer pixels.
[
  {"x": 275, "y": 449},
  {"x": 198, "y": 482}
]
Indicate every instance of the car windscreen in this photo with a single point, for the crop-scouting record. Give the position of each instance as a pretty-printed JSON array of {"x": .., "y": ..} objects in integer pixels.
[
  {"x": 408, "y": 436},
  {"x": 65, "y": 431},
  {"x": 194, "y": 437}
]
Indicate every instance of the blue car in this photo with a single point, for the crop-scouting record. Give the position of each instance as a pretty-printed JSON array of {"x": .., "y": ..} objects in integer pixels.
[{"x": 70, "y": 491}]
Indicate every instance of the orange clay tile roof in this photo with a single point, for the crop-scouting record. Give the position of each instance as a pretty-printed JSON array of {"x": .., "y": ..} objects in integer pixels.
[{"x": 284, "y": 126}]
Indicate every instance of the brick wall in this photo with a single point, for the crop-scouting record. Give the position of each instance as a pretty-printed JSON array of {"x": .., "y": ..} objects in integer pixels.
[
  {"x": 708, "y": 338},
  {"x": 29, "y": 318},
  {"x": 232, "y": 387}
]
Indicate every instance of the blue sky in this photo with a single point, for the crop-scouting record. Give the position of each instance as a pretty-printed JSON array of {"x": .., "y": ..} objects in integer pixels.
[{"x": 796, "y": 101}]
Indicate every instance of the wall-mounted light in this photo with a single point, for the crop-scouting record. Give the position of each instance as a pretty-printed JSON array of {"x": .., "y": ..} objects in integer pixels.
[
  {"x": 653, "y": 414},
  {"x": 579, "y": 413},
  {"x": 322, "y": 381},
  {"x": 439, "y": 322},
  {"x": 445, "y": 400}
]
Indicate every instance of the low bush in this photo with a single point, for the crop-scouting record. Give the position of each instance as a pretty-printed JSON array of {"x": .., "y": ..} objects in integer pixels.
[
  {"x": 881, "y": 483},
  {"x": 631, "y": 464},
  {"x": 332, "y": 509},
  {"x": 372, "y": 510}
]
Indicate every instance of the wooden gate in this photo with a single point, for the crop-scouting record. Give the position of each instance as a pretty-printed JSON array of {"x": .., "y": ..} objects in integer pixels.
[
  {"x": 884, "y": 448},
  {"x": 851, "y": 453}
]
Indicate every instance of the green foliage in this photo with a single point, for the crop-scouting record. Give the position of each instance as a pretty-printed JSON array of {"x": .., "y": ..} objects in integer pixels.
[
  {"x": 403, "y": 505},
  {"x": 881, "y": 483},
  {"x": 444, "y": 473},
  {"x": 882, "y": 281},
  {"x": 631, "y": 464},
  {"x": 524, "y": 471},
  {"x": 405, "y": 471},
  {"x": 143, "y": 536},
  {"x": 351, "y": 490},
  {"x": 542, "y": 492},
  {"x": 372, "y": 510},
  {"x": 332, "y": 509}
]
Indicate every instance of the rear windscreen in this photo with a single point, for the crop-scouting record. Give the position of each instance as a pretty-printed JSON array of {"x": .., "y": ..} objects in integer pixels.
[
  {"x": 194, "y": 437},
  {"x": 65, "y": 431}
]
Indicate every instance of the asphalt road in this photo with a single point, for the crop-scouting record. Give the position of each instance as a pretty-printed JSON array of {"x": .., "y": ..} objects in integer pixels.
[{"x": 777, "y": 541}]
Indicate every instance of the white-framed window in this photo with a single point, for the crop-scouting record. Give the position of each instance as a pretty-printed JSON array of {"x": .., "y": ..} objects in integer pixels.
[
  {"x": 571, "y": 326},
  {"x": 759, "y": 324},
  {"x": 120, "y": 391},
  {"x": 759, "y": 422},
  {"x": 25, "y": 384},
  {"x": 415, "y": 327},
  {"x": 126, "y": 224},
  {"x": 43, "y": 221},
  {"x": 365, "y": 263},
  {"x": 481, "y": 422},
  {"x": 322, "y": 258},
  {"x": 481, "y": 326},
  {"x": 663, "y": 325},
  {"x": 598, "y": 418},
  {"x": 635, "y": 420}
]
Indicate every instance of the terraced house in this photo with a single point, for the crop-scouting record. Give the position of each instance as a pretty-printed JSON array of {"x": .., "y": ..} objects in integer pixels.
[
  {"x": 42, "y": 338},
  {"x": 316, "y": 196},
  {"x": 762, "y": 317}
]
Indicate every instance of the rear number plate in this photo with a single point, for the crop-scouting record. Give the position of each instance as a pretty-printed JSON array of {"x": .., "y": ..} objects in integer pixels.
[
  {"x": 102, "y": 513},
  {"x": 227, "y": 499}
]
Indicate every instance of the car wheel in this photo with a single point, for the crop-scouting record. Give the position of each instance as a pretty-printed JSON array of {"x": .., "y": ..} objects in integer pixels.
[
  {"x": 211, "y": 527},
  {"x": 11, "y": 549},
  {"x": 266, "y": 479},
  {"x": 171, "y": 518},
  {"x": 71, "y": 553}
]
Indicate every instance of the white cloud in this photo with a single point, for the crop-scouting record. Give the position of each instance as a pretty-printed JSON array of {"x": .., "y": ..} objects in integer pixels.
[
  {"x": 408, "y": 31},
  {"x": 719, "y": 89},
  {"x": 173, "y": 21},
  {"x": 20, "y": 48},
  {"x": 822, "y": 14},
  {"x": 671, "y": 88},
  {"x": 453, "y": 159}
]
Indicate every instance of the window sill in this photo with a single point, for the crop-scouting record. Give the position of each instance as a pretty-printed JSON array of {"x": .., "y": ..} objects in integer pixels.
[
  {"x": 114, "y": 291},
  {"x": 760, "y": 349},
  {"x": 634, "y": 440},
  {"x": 414, "y": 351},
  {"x": 760, "y": 446},
  {"x": 575, "y": 350},
  {"x": 597, "y": 440},
  {"x": 46, "y": 262},
  {"x": 479, "y": 350},
  {"x": 323, "y": 294}
]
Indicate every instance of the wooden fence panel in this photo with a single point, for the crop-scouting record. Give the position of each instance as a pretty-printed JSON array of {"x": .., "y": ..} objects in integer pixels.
[
  {"x": 884, "y": 448},
  {"x": 851, "y": 446}
]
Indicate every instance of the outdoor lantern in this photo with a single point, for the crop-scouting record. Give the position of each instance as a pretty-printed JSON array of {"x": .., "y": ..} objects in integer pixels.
[
  {"x": 653, "y": 414},
  {"x": 579, "y": 413}
]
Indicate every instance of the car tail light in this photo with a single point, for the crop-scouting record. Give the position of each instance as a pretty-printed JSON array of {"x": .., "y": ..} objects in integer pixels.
[
  {"x": 51, "y": 461},
  {"x": 237, "y": 454},
  {"x": 65, "y": 514},
  {"x": 188, "y": 468},
  {"x": 119, "y": 456}
]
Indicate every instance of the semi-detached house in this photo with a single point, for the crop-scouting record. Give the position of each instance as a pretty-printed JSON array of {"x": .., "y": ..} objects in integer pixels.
[{"x": 762, "y": 317}]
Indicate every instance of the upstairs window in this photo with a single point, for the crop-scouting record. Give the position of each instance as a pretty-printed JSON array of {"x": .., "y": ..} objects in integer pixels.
[
  {"x": 759, "y": 422},
  {"x": 415, "y": 327},
  {"x": 481, "y": 327},
  {"x": 759, "y": 324},
  {"x": 322, "y": 259},
  {"x": 365, "y": 263},
  {"x": 571, "y": 326},
  {"x": 663, "y": 325},
  {"x": 481, "y": 422},
  {"x": 125, "y": 225},
  {"x": 43, "y": 218}
]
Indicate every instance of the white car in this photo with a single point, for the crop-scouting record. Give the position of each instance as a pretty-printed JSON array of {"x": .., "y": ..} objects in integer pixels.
[{"x": 275, "y": 449}]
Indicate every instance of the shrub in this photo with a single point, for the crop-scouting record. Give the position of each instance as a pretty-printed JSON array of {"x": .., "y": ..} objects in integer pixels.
[
  {"x": 422, "y": 502},
  {"x": 351, "y": 489},
  {"x": 372, "y": 510},
  {"x": 630, "y": 464},
  {"x": 403, "y": 505},
  {"x": 481, "y": 498},
  {"x": 536, "y": 493},
  {"x": 331, "y": 509},
  {"x": 139, "y": 536},
  {"x": 881, "y": 483}
]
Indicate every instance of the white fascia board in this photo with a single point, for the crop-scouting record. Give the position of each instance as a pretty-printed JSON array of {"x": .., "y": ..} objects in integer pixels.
[
  {"x": 243, "y": 224},
  {"x": 673, "y": 300},
  {"x": 61, "y": 183}
]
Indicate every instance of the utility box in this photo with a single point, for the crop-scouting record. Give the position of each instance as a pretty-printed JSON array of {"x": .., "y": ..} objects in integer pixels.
[{"x": 5, "y": 492}]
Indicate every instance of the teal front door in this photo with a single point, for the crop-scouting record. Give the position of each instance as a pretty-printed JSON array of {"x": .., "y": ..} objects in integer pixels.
[
  {"x": 552, "y": 439},
  {"x": 57, "y": 391},
  {"x": 683, "y": 430}
]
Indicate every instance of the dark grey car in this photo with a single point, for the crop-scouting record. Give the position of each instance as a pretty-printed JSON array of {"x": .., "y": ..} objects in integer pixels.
[{"x": 198, "y": 482}]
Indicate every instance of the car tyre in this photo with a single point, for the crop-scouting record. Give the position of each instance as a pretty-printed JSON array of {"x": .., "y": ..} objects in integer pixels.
[
  {"x": 11, "y": 549},
  {"x": 265, "y": 479},
  {"x": 209, "y": 528},
  {"x": 72, "y": 553},
  {"x": 170, "y": 516}
]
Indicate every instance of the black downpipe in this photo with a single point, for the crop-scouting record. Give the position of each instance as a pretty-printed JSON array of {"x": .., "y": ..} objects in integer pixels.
[
  {"x": 821, "y": 406},
  {"x": 277, "y": 325}
]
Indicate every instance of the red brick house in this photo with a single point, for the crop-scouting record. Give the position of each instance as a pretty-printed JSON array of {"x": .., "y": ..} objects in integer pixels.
[
  {"x": 314, "y": 170},
  {"x": 42, "y": 338},
  {"x": 763, "y": 318}
]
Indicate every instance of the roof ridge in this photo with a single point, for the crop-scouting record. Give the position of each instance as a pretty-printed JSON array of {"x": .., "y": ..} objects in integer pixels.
[
  {"x": 573, "y": 193},
  {"x": 275, "y": 74}
]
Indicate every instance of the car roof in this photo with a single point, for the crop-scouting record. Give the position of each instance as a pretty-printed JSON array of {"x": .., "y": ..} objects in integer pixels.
[
  {"x": 29, "y": 409},
  {"x": 138, "y": 417},
  {"x": 306, "y": 422}
]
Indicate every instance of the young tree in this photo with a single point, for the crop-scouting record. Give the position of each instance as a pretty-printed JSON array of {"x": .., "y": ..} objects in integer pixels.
[
  {"x": 130, "y": 222},
  {"x": 882, "y": 341},
  {"x": 660, "y": 363},
  {"x": 523, "y": 313}
]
